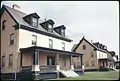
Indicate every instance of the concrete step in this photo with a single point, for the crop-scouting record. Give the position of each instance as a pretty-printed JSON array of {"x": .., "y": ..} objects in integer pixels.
[{"x": 69, "y": 73}]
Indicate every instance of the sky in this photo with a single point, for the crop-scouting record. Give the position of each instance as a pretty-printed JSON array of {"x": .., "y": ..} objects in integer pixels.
[{"x": 96, "y": 20}]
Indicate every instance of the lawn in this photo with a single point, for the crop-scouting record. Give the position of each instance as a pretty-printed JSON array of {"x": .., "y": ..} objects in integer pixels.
[{"x": 108, "y": 75}]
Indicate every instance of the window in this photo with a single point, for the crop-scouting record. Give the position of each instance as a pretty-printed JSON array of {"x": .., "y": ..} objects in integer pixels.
[
  {"x": 93, "y": 63},
  {"x": 87, "y": 63},
  {"x": 62, "y": 32},
  {"x": 99, "y": 55},
  {"x": 50, "y": 29},
  {"x": 84, "y": 47},
  {"x": 63, "y": 46},
  {"x": 50, "y": 43},
  {"x": 11, "y": 38},
  {"x": 3, "y": 61},
  {"x": 10, "y": 60},
  {"x": 34, "y": 22},
  {"x": 102, "y": 55},
  {"x": 34, "y": 40},
  {"x": 64, "y": 60},
  {"x": 3, "y": 24},
  {"x": 98, "y": 45},
  {"x": 92, "y": 54}
]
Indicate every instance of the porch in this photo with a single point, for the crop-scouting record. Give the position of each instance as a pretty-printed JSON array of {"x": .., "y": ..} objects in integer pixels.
[
  {"x": 106, "y": 64},
  {"x": 44, "y": 60}
]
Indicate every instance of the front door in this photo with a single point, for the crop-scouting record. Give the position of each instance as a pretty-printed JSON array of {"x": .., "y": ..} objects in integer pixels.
[{"x": 50, "y": 60}]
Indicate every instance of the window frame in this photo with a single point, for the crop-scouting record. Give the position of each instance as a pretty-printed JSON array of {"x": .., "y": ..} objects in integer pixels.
[
  {"x": 63, "y": 46},
  {"x": 92, "y": 54},
  {"x": 34, "y": 24},
  {"x": 84, "y": 47},
  {"x": 87, "y": 64},
  {"x": 3, "y": 24},
  {"x": 10, "y": 60},
  {"x": 50, "y": 28},
  {"x": 99, "y": 55},
  {"x": 34, "y": 42},
  {"x": 3, "y": 62},
  {"x": 93, "y": 63},
  {"x": 51, "y": 43},
  {"x": 11, "y": 39},
  {"x": 63, "y": 32}
]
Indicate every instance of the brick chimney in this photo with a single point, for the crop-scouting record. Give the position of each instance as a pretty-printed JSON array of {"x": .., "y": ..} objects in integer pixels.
[{"x": 15, "y": 6}]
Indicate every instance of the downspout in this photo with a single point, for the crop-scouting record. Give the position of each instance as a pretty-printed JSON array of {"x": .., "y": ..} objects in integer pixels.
[{"x": 17, "y": 51}]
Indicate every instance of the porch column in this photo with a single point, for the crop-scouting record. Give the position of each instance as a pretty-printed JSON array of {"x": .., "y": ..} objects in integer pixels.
[
  {"x": 82, "y": 62},
  {"x": 71, "y": 63},
  {"x": 106, "y": 63},
  {"x": 35, "y": 66},
  {"x": 57, "y": 62},
  {"x": 21, "y": 61}
]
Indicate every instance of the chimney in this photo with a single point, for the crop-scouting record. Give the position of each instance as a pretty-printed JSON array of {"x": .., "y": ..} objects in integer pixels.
[
  {"x": 91, "y": 41},
  {"x": 15, "y": 6}
]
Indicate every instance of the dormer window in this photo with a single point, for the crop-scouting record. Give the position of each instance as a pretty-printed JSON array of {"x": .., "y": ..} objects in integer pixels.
[
  {"x": 48, "y": 25},
  {"x": 60, "y": 30},
  {"x": 63, "y": 32},
  {"x": 34, "y": 22},
  {"x": 105, "y": 47},
  {"x": 50, "y": 28},
  {"x": 32, "y": 19},
  {"x": 98, "y": 45}
]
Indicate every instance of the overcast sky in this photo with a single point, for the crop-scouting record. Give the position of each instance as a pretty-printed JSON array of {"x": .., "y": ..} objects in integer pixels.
[{"x": 96, "y": 20}]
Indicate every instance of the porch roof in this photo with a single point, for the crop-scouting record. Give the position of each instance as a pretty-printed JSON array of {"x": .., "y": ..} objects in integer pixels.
[
  {"x": 109, "y": 59},
  {"x": 103, "y": 59},
  {"x": 44, "y": 49}
]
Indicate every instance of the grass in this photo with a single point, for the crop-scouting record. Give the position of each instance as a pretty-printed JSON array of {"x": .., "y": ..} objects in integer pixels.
[{"x": 108, "y": 75}]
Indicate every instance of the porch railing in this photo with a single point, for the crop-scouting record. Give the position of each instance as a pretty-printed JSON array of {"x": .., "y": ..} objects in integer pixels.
[{"x": 48, "y": 68}]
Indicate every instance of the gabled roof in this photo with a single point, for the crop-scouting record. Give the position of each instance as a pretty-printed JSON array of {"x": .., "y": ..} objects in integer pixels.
[
  {"x": 96, "y": 48},
  {"x": 18, "y": 16},
  {"x": 81, "y": 42}
]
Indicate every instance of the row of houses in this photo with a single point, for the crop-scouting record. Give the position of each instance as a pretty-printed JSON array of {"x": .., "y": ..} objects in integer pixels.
[
  {"x": 35, "y": 49},
  {"x": 96, "y": 55}
]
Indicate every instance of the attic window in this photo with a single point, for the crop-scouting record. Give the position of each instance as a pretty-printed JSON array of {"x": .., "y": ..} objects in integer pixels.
[
  {"x": 50, "y": 28},
  {"x": 34, "y": 22},
  {"x": 3, "y": 24},
  {"x": 84, "y": 47}
]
